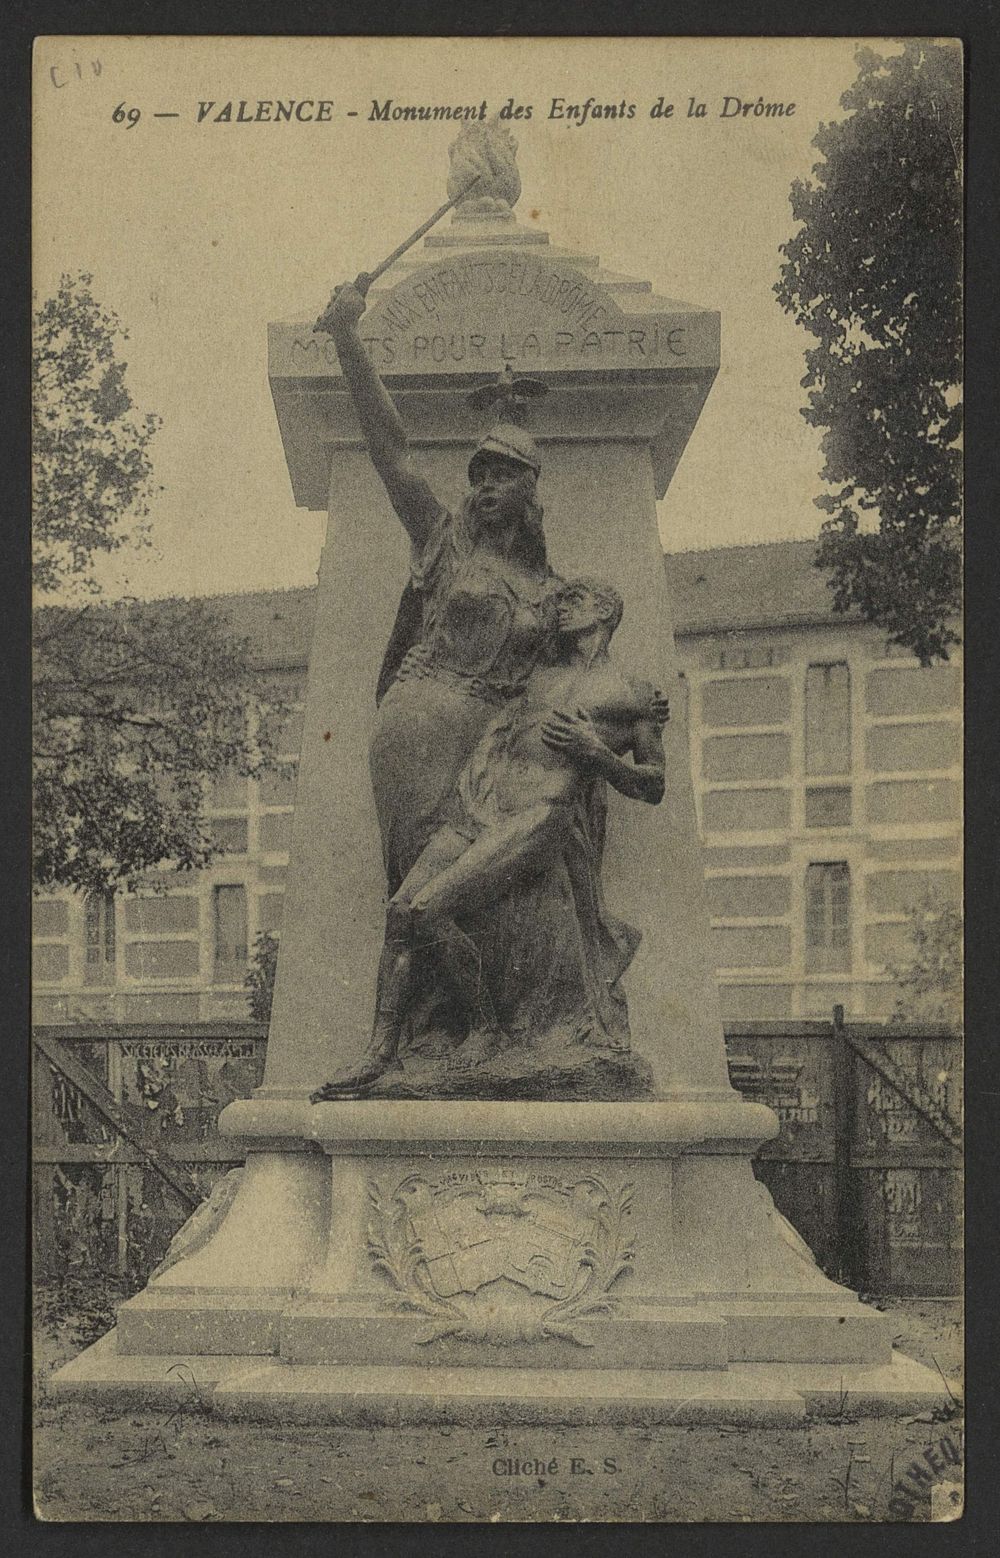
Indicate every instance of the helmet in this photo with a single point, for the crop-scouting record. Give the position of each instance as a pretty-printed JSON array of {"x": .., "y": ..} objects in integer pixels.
[{"x": 511, "y": 442}]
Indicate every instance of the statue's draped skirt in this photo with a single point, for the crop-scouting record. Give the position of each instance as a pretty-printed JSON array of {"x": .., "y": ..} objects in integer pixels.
[{"x": 425, "y": 731}]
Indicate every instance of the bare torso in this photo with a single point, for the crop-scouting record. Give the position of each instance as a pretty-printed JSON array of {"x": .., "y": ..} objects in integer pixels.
[{"x": 533, "y": 771}]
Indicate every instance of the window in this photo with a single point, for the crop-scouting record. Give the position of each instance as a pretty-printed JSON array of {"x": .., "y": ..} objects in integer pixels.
[
  {"x": 828, "y": 806},
  {"x": 270, "y": 909},
  {"x": 230, "y": 925},
  {"x": 228, "y": 791},
  {"x": 229, "y": 835},
  {"x": 828, "y": 720},
  {"x": 828, "y": 918},
  {"x": 275, "y": 832},
  {"x": 99, "y": 939}
]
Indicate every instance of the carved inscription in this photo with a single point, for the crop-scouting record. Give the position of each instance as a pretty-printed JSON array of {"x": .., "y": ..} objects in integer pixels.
[
  {"x": 484, "y": 347},
  {"x": 466, "y": 312},
  {"x": 482, "y": 281}
]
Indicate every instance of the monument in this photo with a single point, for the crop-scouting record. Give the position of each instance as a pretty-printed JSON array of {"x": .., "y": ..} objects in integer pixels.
[{"x": 496, "y": 1170}]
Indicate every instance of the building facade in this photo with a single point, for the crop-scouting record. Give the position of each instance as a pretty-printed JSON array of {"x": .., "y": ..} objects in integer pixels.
[{"x": 827, "y": 774}]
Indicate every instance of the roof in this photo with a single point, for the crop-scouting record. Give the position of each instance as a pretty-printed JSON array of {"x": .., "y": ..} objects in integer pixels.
[
  {"x": 724, "y": 588},
  {"x": 277, "y": 623},
  {"x": 721, "y": 589}
]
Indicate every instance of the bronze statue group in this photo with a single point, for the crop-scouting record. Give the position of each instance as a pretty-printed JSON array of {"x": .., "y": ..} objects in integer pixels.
[{"x": 501, "y": 719}]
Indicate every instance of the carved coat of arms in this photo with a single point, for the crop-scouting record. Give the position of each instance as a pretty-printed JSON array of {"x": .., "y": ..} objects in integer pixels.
[{"x": 499, "y": 1258}]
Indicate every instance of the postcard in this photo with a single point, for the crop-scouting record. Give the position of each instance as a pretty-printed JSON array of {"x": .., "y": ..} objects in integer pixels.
[{"x": 497, "y": 919}]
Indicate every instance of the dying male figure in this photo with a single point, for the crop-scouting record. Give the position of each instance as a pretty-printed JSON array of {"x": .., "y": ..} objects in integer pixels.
[{"x": 511, "y": 817}]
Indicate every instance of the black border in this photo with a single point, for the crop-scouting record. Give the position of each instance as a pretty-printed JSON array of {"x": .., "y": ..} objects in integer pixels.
[{"x": 976, "y": 23}]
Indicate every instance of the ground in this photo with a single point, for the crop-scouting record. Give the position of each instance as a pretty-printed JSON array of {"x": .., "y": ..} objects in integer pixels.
[{"x": 94, "y": 1464}]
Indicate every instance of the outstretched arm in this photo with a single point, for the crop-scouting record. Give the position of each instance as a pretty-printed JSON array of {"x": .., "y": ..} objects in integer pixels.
[{"x": 383, "y": 431}]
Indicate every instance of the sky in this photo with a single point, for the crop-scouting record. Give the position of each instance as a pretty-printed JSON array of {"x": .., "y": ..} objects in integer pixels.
[{"x": 198, "y": 234}]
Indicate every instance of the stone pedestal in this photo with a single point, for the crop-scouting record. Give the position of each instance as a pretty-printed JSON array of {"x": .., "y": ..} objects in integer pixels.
[
  {"x": 491, "y": 1262},
  {"x": 476, "y": 1260}
]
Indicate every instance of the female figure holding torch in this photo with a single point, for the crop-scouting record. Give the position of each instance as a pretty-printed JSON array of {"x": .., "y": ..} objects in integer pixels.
[{"x": 485, "y": 599}]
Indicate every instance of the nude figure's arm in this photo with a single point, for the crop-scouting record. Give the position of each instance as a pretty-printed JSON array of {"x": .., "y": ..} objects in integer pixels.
[
  {"x": 650, "y": 761},
  {"x": 576, "y": 736},
  {"x": 383, "y": 431}
]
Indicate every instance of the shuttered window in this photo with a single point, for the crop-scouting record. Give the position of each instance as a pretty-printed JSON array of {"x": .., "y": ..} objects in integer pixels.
[
  {"x": 828, "y": 918},
  {"x": 828, "y": 719},
  {"x": 230, "y": 934},
  {"x": 99, "y": 936}
]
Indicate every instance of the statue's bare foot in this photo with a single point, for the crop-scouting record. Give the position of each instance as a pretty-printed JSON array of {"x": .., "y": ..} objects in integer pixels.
[
  {"x": 354, "y": 1084},
  {"x": 474, "y": 1052}
]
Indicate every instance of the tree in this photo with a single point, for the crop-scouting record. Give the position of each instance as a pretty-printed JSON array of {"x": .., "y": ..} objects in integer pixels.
[
  {"x": 136, "y": 704},
  {"x": 260, "y": 976},
  {"x": 874, "y": 273},
  {"x": 929, "y": 977},
  {"x": 91, "y": 472}
]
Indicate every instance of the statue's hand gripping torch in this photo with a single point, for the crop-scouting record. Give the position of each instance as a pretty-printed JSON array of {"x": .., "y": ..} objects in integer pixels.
[{"x": 345, "y": 300}]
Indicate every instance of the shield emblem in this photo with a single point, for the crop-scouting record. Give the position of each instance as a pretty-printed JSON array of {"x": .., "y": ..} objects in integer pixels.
[{"x": 484, "y": 1233}]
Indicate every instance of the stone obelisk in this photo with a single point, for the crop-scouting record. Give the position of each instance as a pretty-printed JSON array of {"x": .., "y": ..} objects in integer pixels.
[{"x": 478, "y": 1259}]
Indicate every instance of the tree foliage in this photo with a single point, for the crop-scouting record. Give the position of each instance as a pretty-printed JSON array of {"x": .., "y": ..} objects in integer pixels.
[
  {"x": 929, "y": 976},
  {"x": 91, "y": 470},
  {"x": 137, "y": 705},
  {"x": 260, "y": 976},
  {"x": 874, "y": 274}
]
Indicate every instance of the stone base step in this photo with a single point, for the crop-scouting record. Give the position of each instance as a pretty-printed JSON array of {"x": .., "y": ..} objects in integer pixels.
[
  {"x": 666, "y": 1336},
  {"x": 160, "y": 1321},
  {"x": 107, "y": 1377},
  {"x": 270, "y": 1390},
  {"x": 652, "y": 1338},
  {"x": 803, "y": 1332}
]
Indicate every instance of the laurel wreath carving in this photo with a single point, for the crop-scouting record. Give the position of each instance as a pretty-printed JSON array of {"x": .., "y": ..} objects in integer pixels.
[{"x": 603, "y": 1259}]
